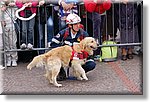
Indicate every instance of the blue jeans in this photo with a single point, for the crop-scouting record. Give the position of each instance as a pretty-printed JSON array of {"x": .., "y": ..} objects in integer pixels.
[
  {"x": 50, "y": 29},
  {"x": 41, "y": 40},
  {"x": 28, "y": 31},
  {"x": 88, "y": 66},
  {"x": 62, "y": 24},
  {"x": 98, "y": 23}
]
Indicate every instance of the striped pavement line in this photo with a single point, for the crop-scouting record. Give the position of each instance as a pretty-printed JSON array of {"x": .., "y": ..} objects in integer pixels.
[{"x": 121, "y": 74}]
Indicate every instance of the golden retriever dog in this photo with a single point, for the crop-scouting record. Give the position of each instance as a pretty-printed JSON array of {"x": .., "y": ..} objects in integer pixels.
[
  {"x": 88, "y": 44},
  {"x": 53, "y": 60},
  {"x": 61, "y": 57}
]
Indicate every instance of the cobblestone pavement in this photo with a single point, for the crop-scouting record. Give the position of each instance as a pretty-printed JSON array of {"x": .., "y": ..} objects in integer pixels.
[{"x": 119, "y": 77}]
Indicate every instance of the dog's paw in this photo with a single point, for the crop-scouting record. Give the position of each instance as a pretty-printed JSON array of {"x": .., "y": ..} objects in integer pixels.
[
  {"x": 59, "y": 85},
  {"x": 79, "y": 78},
  {"x": 28, "y": 67},
  {"x": 85, "y": 79}
]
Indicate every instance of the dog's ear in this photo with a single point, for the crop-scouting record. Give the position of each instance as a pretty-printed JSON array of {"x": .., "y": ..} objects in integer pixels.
[{"x": 83, "y": 44}]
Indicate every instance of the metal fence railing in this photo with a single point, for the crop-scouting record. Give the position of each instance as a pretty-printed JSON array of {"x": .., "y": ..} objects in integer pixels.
[{"x": 111, "y": 23}]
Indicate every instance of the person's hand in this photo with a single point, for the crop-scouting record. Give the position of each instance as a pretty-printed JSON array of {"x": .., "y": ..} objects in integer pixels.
[
  {"x": 70, "y": 6},
  {"x": 29, "y": 4},
  {"x": 26, "y": 5},
  {"x": 3, "y": 23},
  {"x": 65, "y": 6},
  {"x": 3, "y": 8},
  {"x": 42, "y": 2},
  {"x": 11, "y": 4}
]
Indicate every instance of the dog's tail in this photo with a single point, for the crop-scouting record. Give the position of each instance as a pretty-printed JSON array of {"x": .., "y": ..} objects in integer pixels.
[{"x": 38, "y": 61}]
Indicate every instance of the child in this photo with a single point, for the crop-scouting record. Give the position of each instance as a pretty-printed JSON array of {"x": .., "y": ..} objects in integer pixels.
[{"x": 9, "y": 32}]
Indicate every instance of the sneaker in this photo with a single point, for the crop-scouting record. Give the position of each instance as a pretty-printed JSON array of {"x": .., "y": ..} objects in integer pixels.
[
  {"x": 97, "y": 57},
  {"x": 8, "y": 63},
  {"x": 14, "y": 63},
  {"x": 1, "y": 67},
  {"x": 49, "y": 44},
  {"x": 23, "y": 46},
  {"x": 30, "y": 46}
]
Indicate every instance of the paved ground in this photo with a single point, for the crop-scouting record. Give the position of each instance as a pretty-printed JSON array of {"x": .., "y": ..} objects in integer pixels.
[{"x": 120, "y": 77}]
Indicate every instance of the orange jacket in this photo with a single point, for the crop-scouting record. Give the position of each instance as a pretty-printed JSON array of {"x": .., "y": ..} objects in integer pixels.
[{"x": 99, "y": 7}]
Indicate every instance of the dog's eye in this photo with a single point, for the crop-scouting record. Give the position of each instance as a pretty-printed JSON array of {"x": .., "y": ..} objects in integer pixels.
[{"x": 92, "y": 41}]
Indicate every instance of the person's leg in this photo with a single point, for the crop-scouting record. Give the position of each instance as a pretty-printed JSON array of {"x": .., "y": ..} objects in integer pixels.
[
  {"x": 24, "y": 32},
  {"x": 7, "y": 42},
  {"x": 103, "y": 26},
  {"x": 123, "y": 40},
  {"x": 30, "y": 29},
  {"x": 130, "y": 53},
  {"x": 132, "y": 38},
  {"x": 13, "y": 40},
  {"x": 62, "y": 24},
  {"x": 50, "y": 30},
  {"x": 24, "y": 35},
  {"x": 41, "y": 40},
  {"x": 88, "y": 66},
  {"x": 124, "y": 53},
  {"x": 96, "y": 25},
  {"x": 1, "y": 54},
  {"x": 97, "y": 32}
]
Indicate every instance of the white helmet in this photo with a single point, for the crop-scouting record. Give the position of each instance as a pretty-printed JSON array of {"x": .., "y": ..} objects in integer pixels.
[{"x": 73, "y": 19}]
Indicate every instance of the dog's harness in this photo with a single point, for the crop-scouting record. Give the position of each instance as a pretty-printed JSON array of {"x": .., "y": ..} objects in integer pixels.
[{"x": 76, "y": 55}]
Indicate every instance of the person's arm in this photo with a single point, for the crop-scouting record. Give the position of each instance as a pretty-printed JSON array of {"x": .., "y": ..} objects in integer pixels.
[
  {"x": 57, "y": 40},
  {"x": 64, "y": 5},
  {"x": 60, "y": 2},
  {"x": 55, "y": 2}
]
